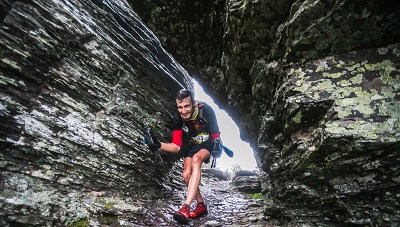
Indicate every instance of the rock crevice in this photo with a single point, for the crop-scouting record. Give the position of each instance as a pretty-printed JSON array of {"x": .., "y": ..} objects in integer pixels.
[{"x": 313, "y": 86}]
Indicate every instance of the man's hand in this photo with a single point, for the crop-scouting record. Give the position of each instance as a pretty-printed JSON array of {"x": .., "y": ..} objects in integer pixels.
[
  {"x": 153, "y": 146},
  {"x": 217, "y": 140},
  {"x": 153, "y": 143},
  {"x": 218, "y": 148},
  {"x": 216, "y": 152}
]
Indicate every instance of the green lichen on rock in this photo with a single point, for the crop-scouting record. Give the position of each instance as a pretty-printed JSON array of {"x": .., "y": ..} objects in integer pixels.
[
  {"x": 109, "y": 220},
  {"x": 385, "y": 68},
  {"x": 258, "y": 195},
  {"x": 108, "y": 205},
  {"x": 332, "y": 75},
  {"x": 297, "y": 117},
  {"x": 359, "y": 124},
  {"x": 84, "y": 222}
]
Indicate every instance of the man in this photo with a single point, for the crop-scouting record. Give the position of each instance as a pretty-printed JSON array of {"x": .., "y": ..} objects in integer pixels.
[{"x": 203, "y": 132}]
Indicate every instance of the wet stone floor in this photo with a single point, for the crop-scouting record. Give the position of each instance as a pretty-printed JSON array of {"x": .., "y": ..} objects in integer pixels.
[{"x": 226, "y": 207}]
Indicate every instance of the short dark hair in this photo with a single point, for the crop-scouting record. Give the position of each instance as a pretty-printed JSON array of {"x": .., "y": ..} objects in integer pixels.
[{"x": 184, "y": 93}]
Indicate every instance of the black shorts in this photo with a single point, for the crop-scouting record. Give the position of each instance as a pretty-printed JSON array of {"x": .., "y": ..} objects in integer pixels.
[{"x": 193, "y": 148}]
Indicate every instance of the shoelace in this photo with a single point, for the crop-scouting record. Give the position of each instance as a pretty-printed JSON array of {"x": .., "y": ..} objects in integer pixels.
[
  {"x": 198, "y": 209},
  {"x": 184, "y": 208}
]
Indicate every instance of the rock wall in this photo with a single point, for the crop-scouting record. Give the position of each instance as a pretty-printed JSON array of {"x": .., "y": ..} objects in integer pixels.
[
  {"x": 79, "y": 82},
  {"x": 314, "y": 87},
  {"x": 333, "y": 150}
]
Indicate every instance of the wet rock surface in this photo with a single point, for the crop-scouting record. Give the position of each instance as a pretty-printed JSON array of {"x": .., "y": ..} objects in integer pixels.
[
  {"x": 229, "y": 207},
  {"x": 226, "y": 207},
  {"x": 79, "y": 82},
  {"x": 313, "y": 85},
  {"x": 248, "y": 184}
]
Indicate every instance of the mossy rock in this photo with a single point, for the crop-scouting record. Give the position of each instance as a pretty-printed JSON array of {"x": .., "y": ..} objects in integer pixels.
[{"x": 84, "y": 222}]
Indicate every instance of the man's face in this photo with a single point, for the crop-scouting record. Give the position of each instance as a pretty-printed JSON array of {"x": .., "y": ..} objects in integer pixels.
[{"x": 185, "y": 108}]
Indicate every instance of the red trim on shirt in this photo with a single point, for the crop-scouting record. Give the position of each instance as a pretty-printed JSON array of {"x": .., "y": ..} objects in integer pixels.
[
  {"x": 216, "y": 135},
  {"x": 177, "y": 137}
]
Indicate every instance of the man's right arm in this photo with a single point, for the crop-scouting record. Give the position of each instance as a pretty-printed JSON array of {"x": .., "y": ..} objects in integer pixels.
[
  {"x": 154, "y": 144},
  {"x": 176, "y": 144},
  {"x": 170, "y": 147},
  {"x": 177, "y": 131}
]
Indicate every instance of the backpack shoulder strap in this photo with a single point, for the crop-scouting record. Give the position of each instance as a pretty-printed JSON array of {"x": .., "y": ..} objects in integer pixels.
[{"x": 201, "y": 105}]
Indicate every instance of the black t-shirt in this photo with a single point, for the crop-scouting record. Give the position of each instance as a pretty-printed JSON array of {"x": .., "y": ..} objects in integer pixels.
[{"x": 207, "y": 125}]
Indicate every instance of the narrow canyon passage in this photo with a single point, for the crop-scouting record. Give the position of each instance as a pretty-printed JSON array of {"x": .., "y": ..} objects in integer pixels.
[
  {"x": 226, "y": 207},
  {"x": 314, "y": 87}
]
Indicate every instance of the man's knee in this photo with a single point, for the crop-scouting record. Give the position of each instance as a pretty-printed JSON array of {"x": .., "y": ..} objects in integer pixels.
[
  {"x": 197, "y": 160},
  {"x": 199, "y": 157}
]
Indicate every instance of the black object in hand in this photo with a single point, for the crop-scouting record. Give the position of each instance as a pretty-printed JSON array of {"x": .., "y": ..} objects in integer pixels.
[
  {"x": 217, "y": 150},
  {"x": 151, "y": 140}
]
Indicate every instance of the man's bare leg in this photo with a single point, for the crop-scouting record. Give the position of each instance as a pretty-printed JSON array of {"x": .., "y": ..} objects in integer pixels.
[
  {"x": 187, "y": 172},
  {"x": 193, "y": 185}
]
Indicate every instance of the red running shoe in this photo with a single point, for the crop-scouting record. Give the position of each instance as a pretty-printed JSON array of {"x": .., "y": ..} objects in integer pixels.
[
  {"x": 182, "y": 215},
  {"x": 200, "y": 210}
]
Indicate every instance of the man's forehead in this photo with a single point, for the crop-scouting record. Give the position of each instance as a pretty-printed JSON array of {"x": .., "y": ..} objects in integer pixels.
[{"x": 187, "y": 99}]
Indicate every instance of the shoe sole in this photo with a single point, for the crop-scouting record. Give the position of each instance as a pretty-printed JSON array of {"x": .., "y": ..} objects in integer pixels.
[{"x": 180, "y": 219}]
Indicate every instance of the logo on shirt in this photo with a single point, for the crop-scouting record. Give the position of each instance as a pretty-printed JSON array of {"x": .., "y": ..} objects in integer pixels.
[
  {"x": 185, "y": 128},
  {"x": 196, "y": 126}
]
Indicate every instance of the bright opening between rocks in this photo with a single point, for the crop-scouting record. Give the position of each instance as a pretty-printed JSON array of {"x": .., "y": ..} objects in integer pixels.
[{"x": 243, "y": 154}]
